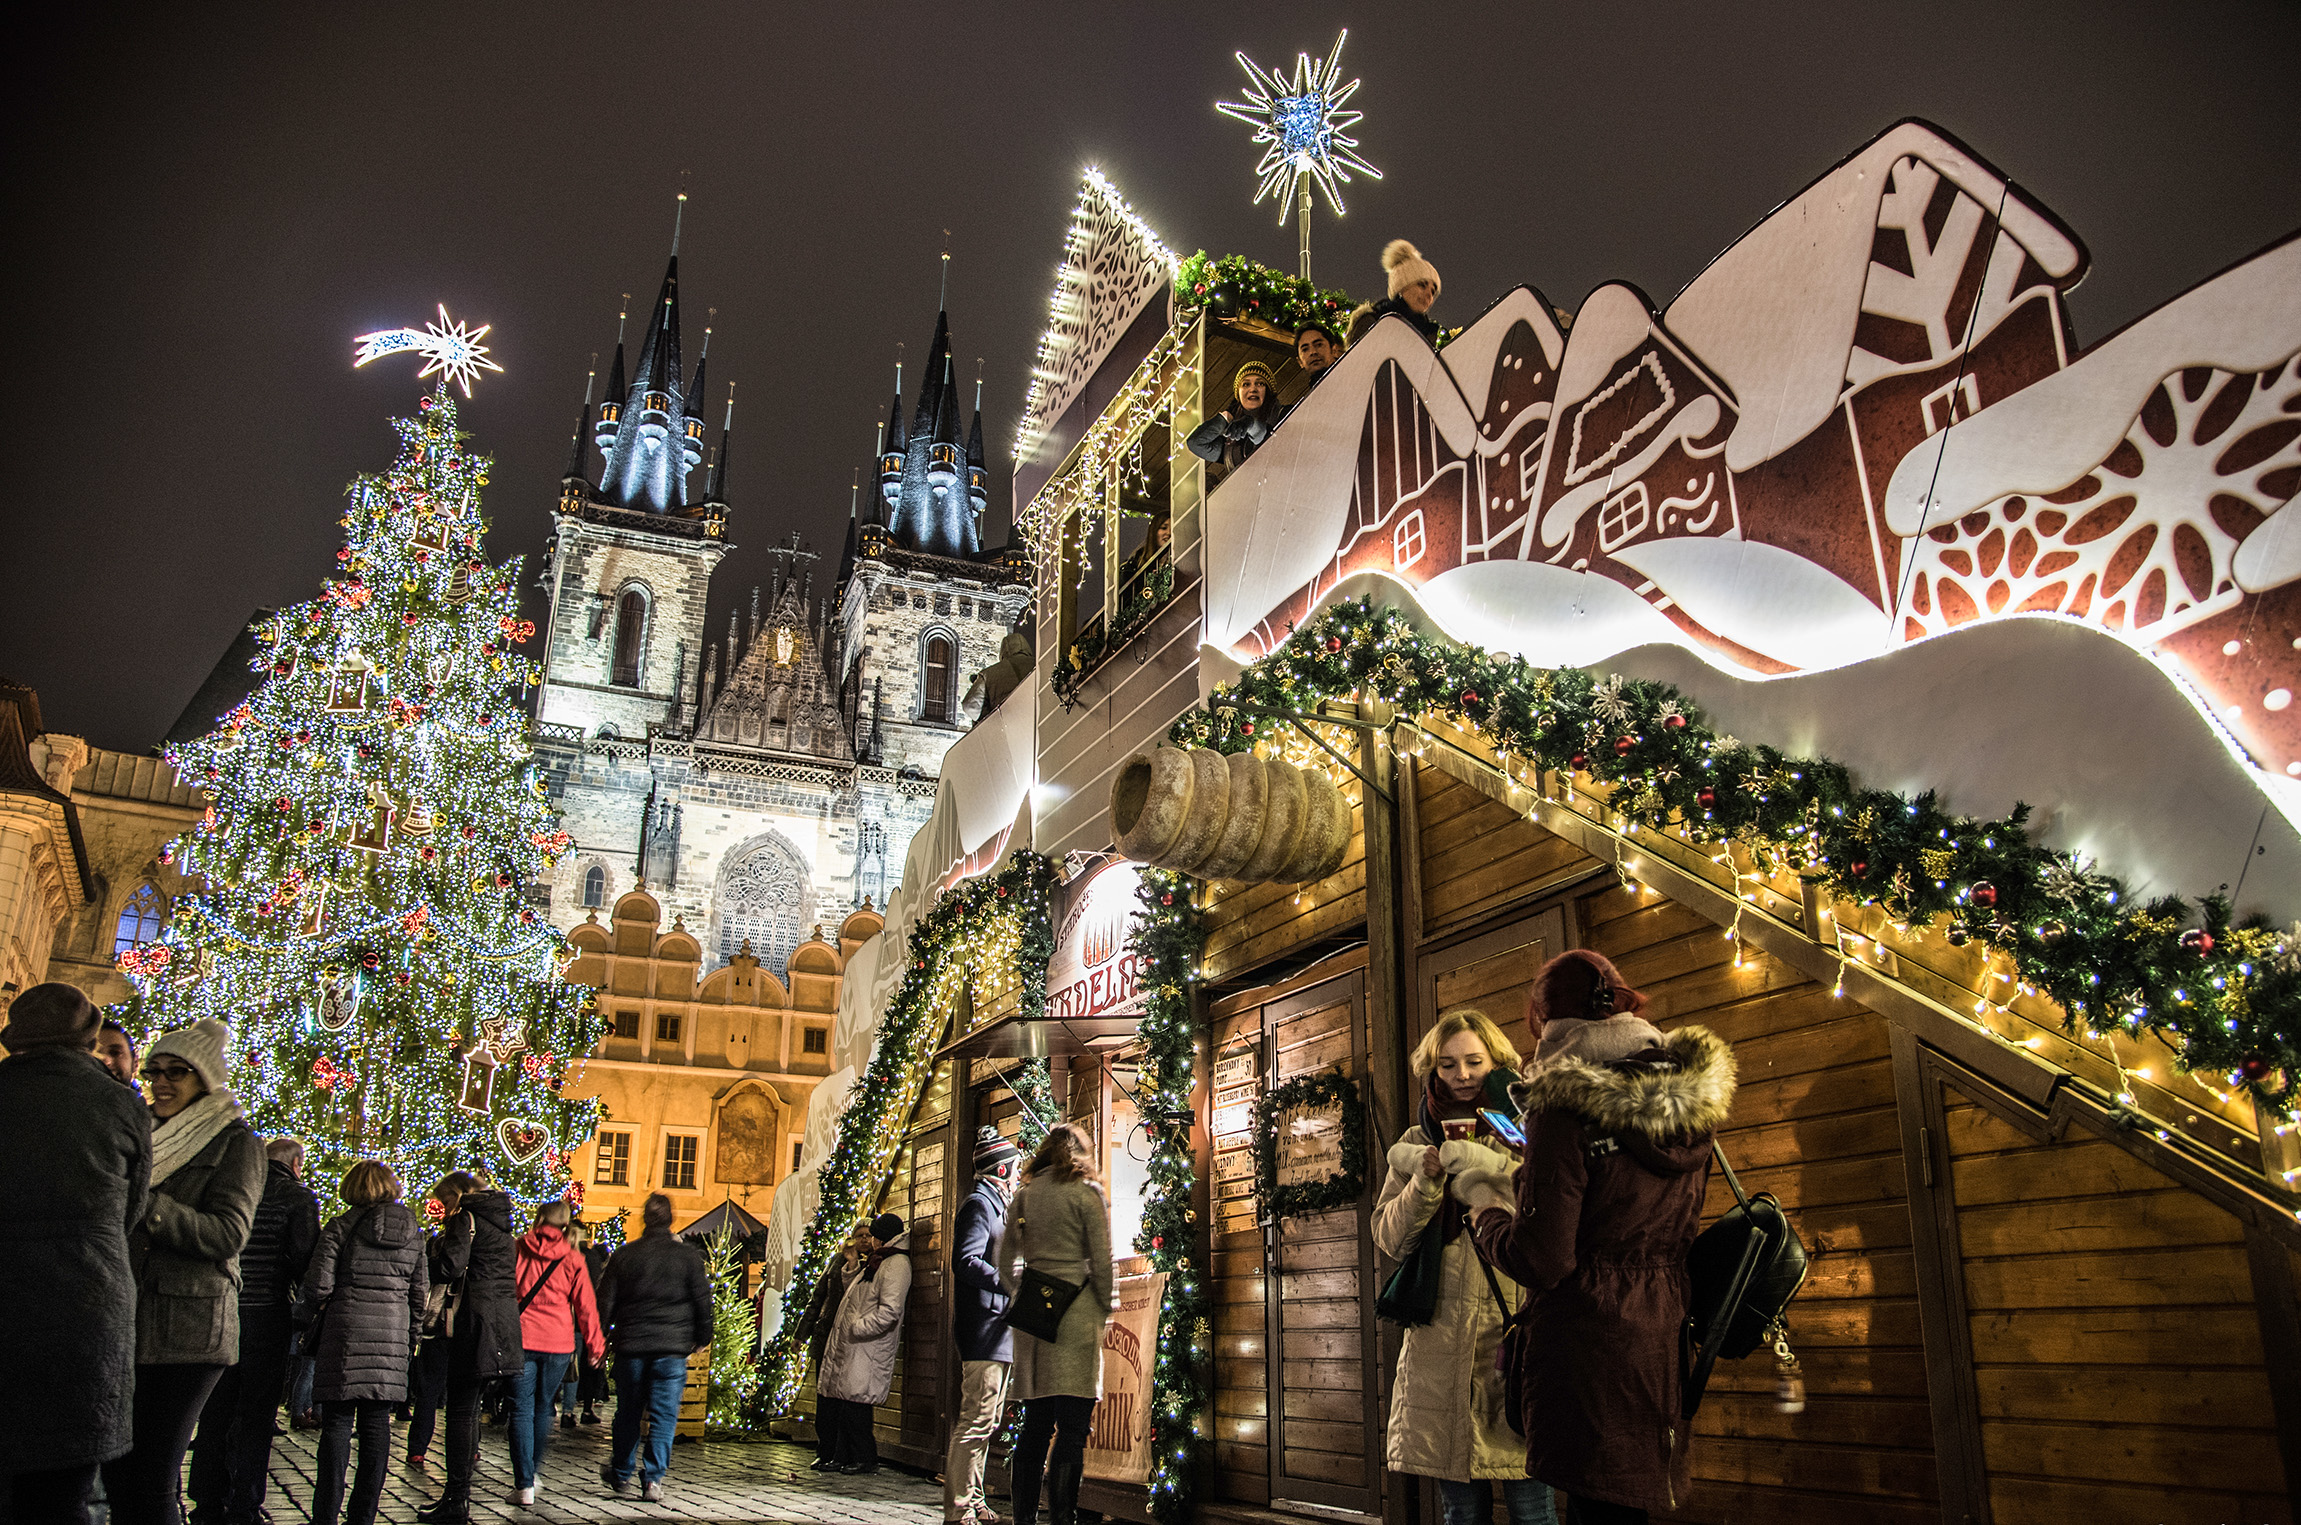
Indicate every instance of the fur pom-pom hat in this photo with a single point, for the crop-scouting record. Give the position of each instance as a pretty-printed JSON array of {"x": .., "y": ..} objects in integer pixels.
[{"x": 1405, "y": 265}]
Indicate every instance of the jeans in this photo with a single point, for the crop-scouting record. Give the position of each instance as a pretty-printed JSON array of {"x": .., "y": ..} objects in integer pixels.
[
  {"x": 142, "y": 1484},
  {"x": 372, "y": 1416},
  {"x": 982, "y": 1402},
  {"x": 303, "y": 1372},
  {"x": 426, "y": 1390},
  {"x": 1528, "y": 1501},
  {"x": 646, "y": 1387},
  {"x": 232, "y": 1453},
  {"x": 1063, "y": 1420},
  {"x": 569, "y": 1383},
  {"x": 532, "y": 1392}
]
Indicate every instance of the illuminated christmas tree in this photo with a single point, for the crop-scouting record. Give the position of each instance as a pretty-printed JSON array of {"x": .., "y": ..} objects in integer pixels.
[{"x": 364, "y": 924}]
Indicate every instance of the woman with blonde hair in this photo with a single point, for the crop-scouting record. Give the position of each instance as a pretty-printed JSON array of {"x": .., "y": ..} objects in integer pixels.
[
  {"x": 1059, "y": 1227},
  {"x": 1453, "y": 1302},
  {"x": 366, "y": 1285}
]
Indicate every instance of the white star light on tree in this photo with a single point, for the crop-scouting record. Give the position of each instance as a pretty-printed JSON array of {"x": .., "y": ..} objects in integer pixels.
[
  {"x": 452, "y": 348},
  {"x": 1305, "y": 126}
]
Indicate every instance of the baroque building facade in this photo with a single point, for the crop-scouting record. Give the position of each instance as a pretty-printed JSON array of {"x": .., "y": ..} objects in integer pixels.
[{"x": 761, "y": 780}]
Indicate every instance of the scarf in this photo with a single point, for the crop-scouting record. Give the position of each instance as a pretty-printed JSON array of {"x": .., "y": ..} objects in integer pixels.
[
  {"x": 1438, "y": 1106},
  {"x": 177, "y": 1141}
]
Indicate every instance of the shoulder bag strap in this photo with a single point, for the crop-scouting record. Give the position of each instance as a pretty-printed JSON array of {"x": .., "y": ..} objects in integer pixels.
[
  {"x": 1739, "y": 1195},
  {"x": 1484, "y": 1265},
  {"x": 532, "y": 1293}
]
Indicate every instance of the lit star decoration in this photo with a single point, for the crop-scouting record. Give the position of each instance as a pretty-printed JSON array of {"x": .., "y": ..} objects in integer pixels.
[
  {"x": 1305, "y": 126},
  {"x": 452, "y": 348}
]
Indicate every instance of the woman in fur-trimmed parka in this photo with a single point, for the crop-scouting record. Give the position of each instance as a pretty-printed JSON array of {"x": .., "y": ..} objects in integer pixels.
[
  {"x": 1618, "y": 1125},
  {"x": 1447, "y": 1416}
]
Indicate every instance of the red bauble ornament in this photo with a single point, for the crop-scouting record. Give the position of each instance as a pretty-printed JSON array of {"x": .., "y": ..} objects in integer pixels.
[
  {"x": 1858, "y": 867},
  {"x": 1705, "y": 797},
  {"x": 1002, "y": 892},
  {"x": 1334, "y": 643},
  {"x": 1158, "y": 1241},
  {"x": 470, "y": 831},
  {"x": 1469, "y": 697},
  {"x": 429, "y": 853},
  {"x": 487, "y": 648},
  {"x": 1622, "y": 745},
  {"x": 317, "y": 825},
  {"x": 527, "y": 918},
  {"x": 1166, "y": 899},
  {"x": 282, "y": 667},
  {"x": 371, "y": 961},
  {"x": 1674, "y": 722},
  {"x": 407, "y": 619},
  {"x": 1983, "y": 894},
  {"x": 263, "y": 908},
  {"x": 503, "y": 881},
  {"x": 1576, "y": 761},
  {"x": 487, "y": 720},
  {"x": 1246, "y": 728},
  {"x": 282, "y": 803},
  {"x": 402, "y": 978},
  {"x": 2197, "y": 940},
  {"x": 2255, "y": 1067}
]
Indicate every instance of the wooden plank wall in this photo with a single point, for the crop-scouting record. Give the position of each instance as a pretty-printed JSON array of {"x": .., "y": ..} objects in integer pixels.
[
  {"x": 1478, "y": 857},
  {"x": 2118, "y": 1360},
  {"x": 909, "y": 1422},
  {"x": 1249, "y": 925},
  {"x": 1236, "y": 1287},
  {"x": 1815, "y": 1124}
]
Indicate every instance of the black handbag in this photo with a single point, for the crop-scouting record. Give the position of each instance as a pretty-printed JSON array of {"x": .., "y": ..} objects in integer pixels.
[
  {"x": 1510, "y": 1354},
  {"x": 1410, "y": 1296},
  {"x": 1744, "y": 1270},
  {"x": 1039, "y": 1304}
]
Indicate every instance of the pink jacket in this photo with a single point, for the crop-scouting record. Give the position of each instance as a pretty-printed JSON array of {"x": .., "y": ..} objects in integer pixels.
[{"x": 563, "y": 1308}]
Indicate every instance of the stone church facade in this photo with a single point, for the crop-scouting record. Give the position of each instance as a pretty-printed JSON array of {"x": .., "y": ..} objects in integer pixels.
[{"x": 767, "y": 779}]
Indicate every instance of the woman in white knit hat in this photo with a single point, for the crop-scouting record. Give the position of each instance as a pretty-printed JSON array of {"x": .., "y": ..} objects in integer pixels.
[
  {"x": 207, "y": 1177},
  {"x": 1413, "y": 283}
]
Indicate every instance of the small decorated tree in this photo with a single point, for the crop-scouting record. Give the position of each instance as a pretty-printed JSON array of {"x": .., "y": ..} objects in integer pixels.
[
  {"x": 734, "y": 1336},
  {"x": 376, "y": 821}
]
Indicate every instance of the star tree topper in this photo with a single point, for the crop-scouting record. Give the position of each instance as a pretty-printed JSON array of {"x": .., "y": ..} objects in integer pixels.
[
  {"x": 1305, "y": 126},
  {"x": 453, "y": 349}
]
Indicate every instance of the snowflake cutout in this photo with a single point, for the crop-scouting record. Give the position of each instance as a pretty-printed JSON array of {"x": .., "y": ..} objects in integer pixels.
[
  {"x": 2065, "y": 881},
  {"x": 452, "y": 348},
  {"x": 1609, "y": 701},
  {"x": 2285, "y": 957},
  {"x": 1304, "y": 125}
]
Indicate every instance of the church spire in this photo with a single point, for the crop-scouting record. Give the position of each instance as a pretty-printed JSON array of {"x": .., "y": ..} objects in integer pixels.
[
  {"x": 582, "y": 424},
  {"x": 651, "y": 428}
]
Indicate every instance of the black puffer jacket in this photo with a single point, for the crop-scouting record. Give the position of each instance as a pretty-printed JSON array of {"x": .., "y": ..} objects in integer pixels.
[
  {"x": 478, "y": 1251},
  {"x": 280, "y": 1243},
  {"x": 367, "y": 1282},
  {"x": 655, "y": 1299}
]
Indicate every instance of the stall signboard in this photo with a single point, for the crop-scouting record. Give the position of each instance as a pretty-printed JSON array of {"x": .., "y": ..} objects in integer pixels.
[
  {"x": 1235, "y": 1068},
  {"x": 1094, "y": 971},
  {"x": 1233, "y": 1165},
  {"x": 1310, "y": 1143},
  {"x": 1118, "y": 1446}
]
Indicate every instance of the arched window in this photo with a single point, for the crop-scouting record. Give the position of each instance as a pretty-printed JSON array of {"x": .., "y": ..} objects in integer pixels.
[
  {"x": 938, "y": 703},
  {"x": 766, "y": 899},
  {"x": 594, "y": 886},
  {"x": 140, "y": 918},
  {"x": 630, "y": 638}
]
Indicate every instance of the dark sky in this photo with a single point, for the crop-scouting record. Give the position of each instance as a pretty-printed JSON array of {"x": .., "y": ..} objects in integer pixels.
[{"x": 210, "y": 201}]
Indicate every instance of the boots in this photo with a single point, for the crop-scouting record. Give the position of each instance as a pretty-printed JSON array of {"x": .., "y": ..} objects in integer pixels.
[
  {"x": 1024, "y": 1485},
  {"x": 450, "y": 1508},
  {"x": 1063, "y": 1478}
]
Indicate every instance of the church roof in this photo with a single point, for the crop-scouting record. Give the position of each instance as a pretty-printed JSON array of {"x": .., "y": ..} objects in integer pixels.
[{"x": 780, "y": 696}]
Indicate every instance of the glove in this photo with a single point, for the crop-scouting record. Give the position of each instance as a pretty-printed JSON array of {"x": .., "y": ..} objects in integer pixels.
[
  {"x": 1483, "y": 1189},
  {"x": 1406, "y": 1158},
  {"x": 1461, "y": 1154}
]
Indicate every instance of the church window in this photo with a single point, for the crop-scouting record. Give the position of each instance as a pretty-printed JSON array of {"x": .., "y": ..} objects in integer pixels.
[
  {"x": 918, "y": 600},
  {"x": 679, "y": 1153},
  {"x": 594, "y": 886},
  {"x": 938, "y": 703},
  {"x": 813, "y": 1041},
  {"x": 765, "y": 898},
  {"x": 630, "y": 638},
  {"x": 140, "y": 918},
  {"x": 942, "y": 603},
  {"x": 667, "y": 1027},
  {"x": 614, "y": 1160}
]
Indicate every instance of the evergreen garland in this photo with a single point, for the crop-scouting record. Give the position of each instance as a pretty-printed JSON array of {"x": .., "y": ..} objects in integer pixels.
[
  {"x": 1034, "y": 1087},
  {"x": 1338, "y": 1190},
  {"x": 1234, "y": 286},
  {"x": 1001, "y": 926},
  {"x": 2226, "y": 996},
  {"x": 1166, "y": 943}
]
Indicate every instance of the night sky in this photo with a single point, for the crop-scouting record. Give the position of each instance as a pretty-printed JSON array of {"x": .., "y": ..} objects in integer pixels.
[{"x": 210, "y": 201}]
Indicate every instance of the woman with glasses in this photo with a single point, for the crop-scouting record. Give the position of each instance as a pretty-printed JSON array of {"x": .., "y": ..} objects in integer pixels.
[{"x": 207, "y": 1177}]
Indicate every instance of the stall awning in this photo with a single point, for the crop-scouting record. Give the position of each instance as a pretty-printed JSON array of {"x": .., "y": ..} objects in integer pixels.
[
  {"x": 1014, "y": 1038},
  {"x": 727, "y": 1215}
]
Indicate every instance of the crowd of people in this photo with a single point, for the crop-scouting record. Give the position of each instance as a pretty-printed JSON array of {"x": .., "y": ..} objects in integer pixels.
[{"x": 187, "y": 1289}]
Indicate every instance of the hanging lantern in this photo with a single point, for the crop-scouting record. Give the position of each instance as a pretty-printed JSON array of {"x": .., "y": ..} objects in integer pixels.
[{"x": 478, "y": 1092}]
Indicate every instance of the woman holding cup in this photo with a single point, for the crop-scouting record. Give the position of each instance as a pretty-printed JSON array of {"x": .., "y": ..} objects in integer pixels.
[{"x": 1452, "y": 1302}]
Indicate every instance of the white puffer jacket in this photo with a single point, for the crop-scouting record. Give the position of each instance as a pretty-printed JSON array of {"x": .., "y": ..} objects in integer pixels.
[
  {"x": 859, "y": 1360},
  {"x": 1445, "y": 1367}
]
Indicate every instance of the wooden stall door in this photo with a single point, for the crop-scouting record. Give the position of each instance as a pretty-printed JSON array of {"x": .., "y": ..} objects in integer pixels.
[
  {"x": 2106, "y": 1317},
  {"x": 1491, "y": 972}
]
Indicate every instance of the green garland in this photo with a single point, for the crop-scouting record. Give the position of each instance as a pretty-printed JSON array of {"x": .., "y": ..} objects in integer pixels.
[
  {"x": 1087, "y": 653},
  {"x": 944, "y": 948},
  {"x": 1338, "y": 1190},
  {"x": 1034, "y": 1087},
  {"x": 1237, "y": 287},
  {"x": 1166, "y": 943},
  {"x": 2226, "y": 997}
]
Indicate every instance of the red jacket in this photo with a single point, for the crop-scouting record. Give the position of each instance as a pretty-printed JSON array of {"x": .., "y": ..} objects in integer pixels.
[{"x": 563, "y": 1308}]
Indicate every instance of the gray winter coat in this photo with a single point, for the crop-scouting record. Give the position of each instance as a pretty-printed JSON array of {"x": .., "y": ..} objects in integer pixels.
[
  {"x": 187, "y": 1253},
  {"x": 859, "y": 1361},
  {"x": 367, "y": 1284},
  {"x": 1062, "y": 1228},
  {"x": 75, "y": 1155}
]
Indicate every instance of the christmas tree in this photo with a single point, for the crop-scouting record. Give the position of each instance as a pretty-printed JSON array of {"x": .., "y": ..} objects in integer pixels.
[{"x": 363, "y": 922}]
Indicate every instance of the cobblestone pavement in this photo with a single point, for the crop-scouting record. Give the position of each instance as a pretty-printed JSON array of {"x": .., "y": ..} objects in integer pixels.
[{"x": 709, "y": 1480}]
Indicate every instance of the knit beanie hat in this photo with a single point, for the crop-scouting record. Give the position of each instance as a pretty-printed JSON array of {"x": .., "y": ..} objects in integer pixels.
[
  {"x": 1406, "y": 266},
  {"x": 54, "y": 1015},
  {"x": 994, "y": 1152},
  {"x": 1255, "y": 368},
  {"x": 1581, "y": 1006},
  {"x": 201, "y": 1046},
  {"x": 886, "y": 1228}
]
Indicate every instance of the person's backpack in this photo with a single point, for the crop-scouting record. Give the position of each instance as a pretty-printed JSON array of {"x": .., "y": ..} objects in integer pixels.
[{"x": 1745, "y": 1268}]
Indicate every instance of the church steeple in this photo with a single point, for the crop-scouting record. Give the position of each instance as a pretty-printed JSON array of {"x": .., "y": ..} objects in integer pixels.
[
  {"x": 656, "y": 437},
  {"x": 932, "y": 512}
]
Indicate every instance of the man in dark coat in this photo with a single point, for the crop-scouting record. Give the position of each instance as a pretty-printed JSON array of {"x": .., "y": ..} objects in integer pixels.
[
  {"x": 978, "y": 1326},
  {"x": 232, "y": 1453},
  {"x": 655, "y": 1304},
  {"x": 75, "y": 1163},
  {"x": 478, "y": 1254}
]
